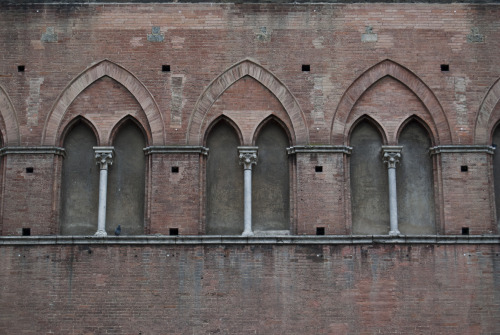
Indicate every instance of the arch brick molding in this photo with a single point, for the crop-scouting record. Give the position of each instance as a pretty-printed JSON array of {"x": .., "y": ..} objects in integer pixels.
[
  {"x": 339, "y": 131},
  {"x": 487, "y": 117},
  {"x": 89, "y": 76},
  {"x": 10, "y": 125},
  {"x": 230, "y": 76}
]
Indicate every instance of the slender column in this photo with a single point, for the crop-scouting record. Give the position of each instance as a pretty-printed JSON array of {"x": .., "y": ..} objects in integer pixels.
[
  {"x": 391, "y": 156},
  {"x": 248, "y": 157},
  {"x": 104, "y": 158}
]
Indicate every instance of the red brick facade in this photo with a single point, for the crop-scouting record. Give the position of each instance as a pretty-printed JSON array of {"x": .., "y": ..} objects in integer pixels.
[{"x": 319, "y": 70}]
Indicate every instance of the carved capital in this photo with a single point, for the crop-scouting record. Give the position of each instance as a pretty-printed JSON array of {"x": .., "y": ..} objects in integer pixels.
[
  {"x": 248, "y": 156},
  {"x": 104, "y": 157},
  {"x": 391, "y": 155}
]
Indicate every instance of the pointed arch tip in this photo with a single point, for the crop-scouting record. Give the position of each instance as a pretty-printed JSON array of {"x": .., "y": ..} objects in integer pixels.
[
  {"x": 374, "y": 73},
  {"x": 246, "y": 67},
  {"x": 229, "y": 121},
  {"x": 265, "y": 122},
  {"x": 422, "y": 123},
  {"x": 373, "y": 122},
  {"x": 51, "y": 130},
  {"x": 73, "y": 123},
  {"x": 122, "y": 122}
]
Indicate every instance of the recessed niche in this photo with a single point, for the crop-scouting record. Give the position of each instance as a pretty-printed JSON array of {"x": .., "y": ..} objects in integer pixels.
[
  {"x": 320, "y": 230},
  {"x": 445, "y": 67},
  {"x": 464, "y": 168},
  {"x": 165, "y": 68},
  {"x": 20, "y": 68},
  {"x": 318, "y": 168},
  {"x": 306, "y": 67},
  {"x": 26, "y": 231},
  {"x": 29, "y": 170},
  {"x": 465, "y": 230},
  {"x": 175, "y": 169},
  {"x": 173, "y": 231}
]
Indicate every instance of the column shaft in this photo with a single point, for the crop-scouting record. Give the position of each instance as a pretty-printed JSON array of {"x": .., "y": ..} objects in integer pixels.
[
  {"x": 104, "y": 158},
  {"x": 391, "y": 156},
  {"x": 248, "y": 157}
]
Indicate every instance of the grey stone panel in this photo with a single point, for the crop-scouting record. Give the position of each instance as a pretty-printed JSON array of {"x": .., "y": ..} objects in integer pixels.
[
  {"x": 271, "y": 182},
  {"x": 224, "y": 212},
  {"x": 126, "y": 182},
  {"x": 369, "y": 184},
  {"x": 416, "y": 213},
  {"x": 80, "y": 183}
]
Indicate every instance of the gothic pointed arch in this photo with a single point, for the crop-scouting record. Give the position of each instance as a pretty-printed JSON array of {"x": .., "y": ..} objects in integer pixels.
[
  {"x": 271, "y": 177},
  {"x": 220, "y": 84},
  {"x": 74, "y": 122},
  {"x": 271, "y": 119},
  {"x": 372, "y": 122},
  {"x": 418, "y": 120},
  {"x": 9, "y": 126},
  {"x": 123, "y": 121},
  {"x": 488, "y": 115},
  {"x": 89, "y": 76},
  {"x": 340, "y": 129},
  {"x": 226, "y": 119}
]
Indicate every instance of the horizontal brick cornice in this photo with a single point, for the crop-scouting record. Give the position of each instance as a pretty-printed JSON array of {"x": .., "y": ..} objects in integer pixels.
[
  {"x": 318, "y": 149},
  {"x": 229, "y": 240},
  {"x": 42, "y": 150},
  {"x": 488, "y": 149},
  {"x": 176, "y": 149}
]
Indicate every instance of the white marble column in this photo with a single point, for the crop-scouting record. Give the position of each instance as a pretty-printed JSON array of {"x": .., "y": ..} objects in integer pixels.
[
  {"x": 104, "y": 158},
  {"x": 248, "y": 157},
  {"x": 391, "y": 156}
]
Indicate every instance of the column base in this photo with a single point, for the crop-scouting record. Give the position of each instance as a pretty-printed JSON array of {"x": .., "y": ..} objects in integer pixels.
[
  {"x": 247, "y": 233},
  {"x": 101, "y": 233},
  {"x": 394, "y": 233}
]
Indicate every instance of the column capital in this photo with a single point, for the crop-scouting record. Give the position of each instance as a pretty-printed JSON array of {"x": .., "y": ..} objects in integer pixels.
[
  {"x": 248, "y": 156},
  {"x": 391, "y": 155},
  {"x": 104, "y": 156}
]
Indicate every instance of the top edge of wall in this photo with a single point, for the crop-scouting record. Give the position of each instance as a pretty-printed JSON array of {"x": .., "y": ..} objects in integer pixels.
[{"x": 241, "y": 2}]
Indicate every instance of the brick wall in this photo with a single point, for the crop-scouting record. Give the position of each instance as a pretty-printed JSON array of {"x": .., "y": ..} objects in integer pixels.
[
  {"x": 244, "y": 289},
  {"x": 177, "y": 67}
]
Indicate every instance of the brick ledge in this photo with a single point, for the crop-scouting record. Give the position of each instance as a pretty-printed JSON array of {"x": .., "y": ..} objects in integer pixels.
[{"x": 254, "y": 240}]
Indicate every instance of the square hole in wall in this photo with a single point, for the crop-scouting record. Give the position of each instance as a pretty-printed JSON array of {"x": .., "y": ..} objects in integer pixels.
[
  {"x": 464, "y": 168},
  {"x": 173, "y": 231},
  {"x": 320, "y": 230},
  {"x": 26, "y": 231},
  {"x": 318, "y": 168},
  {"x": 465, "y": 230},
  {"x": 29, "y": 170},
  {"x": 306, "y": 67},
  {"x": 20, "y": 68},
  {"x": 175, "y": 169},
  {"x": 445, "y": 67},
  {"x": 165, "y": 68}
]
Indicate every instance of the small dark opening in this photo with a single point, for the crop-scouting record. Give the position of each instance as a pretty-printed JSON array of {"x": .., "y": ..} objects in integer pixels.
[
  {"x": 20, "y": 68},
  {"x": 29, "y": 170},
  {"x": 318, "y": 168},
  {"x": 175, "y": 169},
  {"x": 306, "y": 67},
  {"x": 165, "y": 68},
  {"x": 445, "y": 67},
  {"x": 465, "y": 230},
  {"x": 26, "y": 231},
  {"x": 174, "y": 231},
  {"x": 320, "y": 230},
  {"x": 464, "y": 168}
]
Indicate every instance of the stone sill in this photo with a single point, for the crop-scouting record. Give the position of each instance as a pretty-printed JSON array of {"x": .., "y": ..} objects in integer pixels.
[{"x": 254, "y": 240}]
